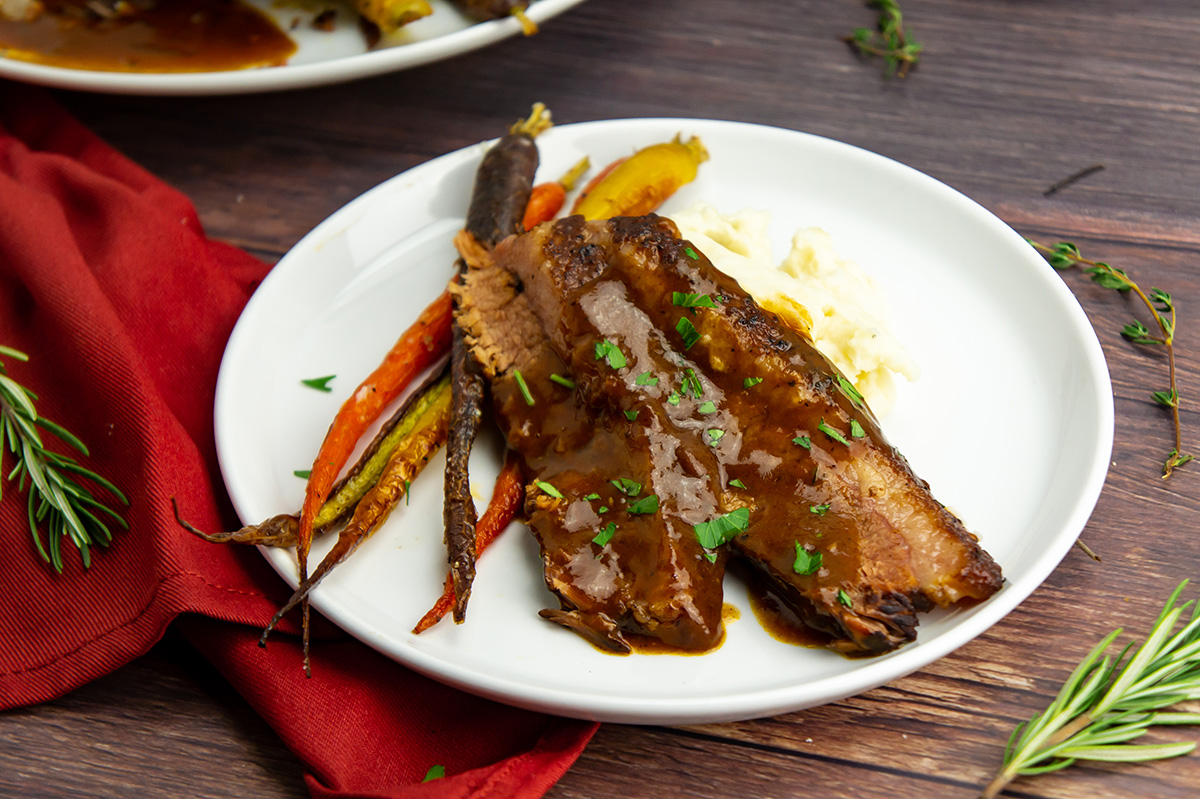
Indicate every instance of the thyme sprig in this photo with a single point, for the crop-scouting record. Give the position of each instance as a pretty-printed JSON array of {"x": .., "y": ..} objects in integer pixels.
[
  {"x": 1064, "y": 255},
  {"x": 1107, "y": 702},
  {"x": 890, "y": 40},
  {"x": 55, "y": 497}
]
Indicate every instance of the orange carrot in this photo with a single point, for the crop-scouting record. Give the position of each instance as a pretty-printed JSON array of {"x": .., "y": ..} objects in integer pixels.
[
  {"x": 547, "y": 198},
  {"x": 506, "y": 501},
  {"x": 594, "y": 182},
  {"x": 427, "y": 340}
]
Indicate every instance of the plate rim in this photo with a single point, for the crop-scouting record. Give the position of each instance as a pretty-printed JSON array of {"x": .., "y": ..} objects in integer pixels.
[
  {"x": 288, "y": 76},
  {"x": 648, "y": 710}
]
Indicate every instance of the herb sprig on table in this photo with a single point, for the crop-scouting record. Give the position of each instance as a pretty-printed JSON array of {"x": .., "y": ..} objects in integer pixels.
[
  {"x": 1065, "y": 255},
  {"x": 890, "y": 40},
  {"x": 55, "y": 498},
  {"x": 1107, "y": 702}
]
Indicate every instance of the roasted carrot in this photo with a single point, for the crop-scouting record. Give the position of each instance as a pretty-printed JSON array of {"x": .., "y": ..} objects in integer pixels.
[
  {"x": 506, "y": 501},
  {"x": 419, "y": 347},
  {"x": 641, "y": 183},
  {"x": 424, "y": 427},
  {"x": 547, "y": 198}
]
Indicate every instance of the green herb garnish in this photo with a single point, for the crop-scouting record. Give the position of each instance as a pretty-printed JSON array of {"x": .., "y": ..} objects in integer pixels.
[
  {"x": 751, "y": 382},
  {"x": 820, "y": 510},
  {"x": 646, "y": 379},
  {"x": 565, "y": 382},
  {"x": 548, "y": 489},
  {"x": 708, "y": 407},
  {"x": 521, "y": 385},
  {"x": 834, "y": 434},
  {"x": 856, "y": 429},
  {"x": 319, "y": 383},
  {"x": 723, "y": 529},
  {"x": 802, "y": 441},
  {"x": 691, "y": 384},
  {"x": 303, "y": 474},
  {"x": 611, "y": 354},
  {"x": 844, "y": 599},
  {"x": 605, "y": 535},
  {"x": 849, "y": 390},
  {"x": 673, "y": 398},
  {"x": 714, "y": 435},
  {"x": 69, "y": 509},
  {"x": 434, "y": 773},
  {"x": 691, "y": 253},
  {"x": 630, "y": 488},
  {"x": 647, "y": 504},
  {"x": 630, "y": 415},
  {"x": 692, "y": 300},
  {"x": 736, "y": 483},
  {"x": 687, "y": 330},
  {"x": 592, "y": 496},
  {"x": 806, "y": 562},
  {"x": 889, "y": 40}
]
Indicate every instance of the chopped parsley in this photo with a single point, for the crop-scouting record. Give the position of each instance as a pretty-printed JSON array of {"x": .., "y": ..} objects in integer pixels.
[
  {"x": 692, "y": 300},
  {"x": 834, "y": 434},
  {"x": 802, "y": 441},
  {"x": 751, "y": 382},
  {"x": 708, "y": 407},
  {"x": 849, "y": 390},
  {"x": 592, "y": 496},
  {"x": 673, "y": 398},
  {"x": 714, "y": 435},
  {"x": 434, "y": 773},
  {"x": 630, "y": 488},
  {"x": 820, "y": 510},
  {"x": 688, "y": 331},
  {"x": 648, "y": 504},
  {"x": 844, "y": 599},
  {"x": 611, "y": 354},
  {"x": 806, "y": 562},
  {"x": 602, "y": 509},
  {"x": 319, "y": 383},
  {"x": 723, "y": 529},
  {"x": 691, "y": 253},
  {"x": 856, "y": 429},
  {"x": 523, "y": 386},
  {"x": 736, "y": 483},
  {"x": 565, "y": 382},
  {"x": 711, "y": 557},
  {"x": 646, "y": 379},
  {"x": 549, "y": 489},
  {"x": 631, "y": 415},
  {"x": 407, "y": 486},
  {"x": 605, "y": 535},
  {"x": 691, "y": 384},
  {"x": 303, "y": 474}
]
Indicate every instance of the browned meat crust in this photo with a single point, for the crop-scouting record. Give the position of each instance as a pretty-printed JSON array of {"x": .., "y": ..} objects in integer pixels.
[{"x": 819, "y": 474}]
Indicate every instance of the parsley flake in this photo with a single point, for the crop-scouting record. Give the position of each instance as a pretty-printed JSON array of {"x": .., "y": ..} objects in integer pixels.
[
  {"x": 630, "y": 415},
  {"x": 592, "y": 496},
  {"x": 711, "y": 557},
  {"x": 565, "y": 382},
  {"x": 692, "y": 300},
  {"x": 691, "y": 384},
  {"x": 708, "y": 407},
  {"x": 647, "y": 504},
  {"x": 802, "y": 441},
  {"x": 319, "y": 383},
  {"x": 688, "y": 331},
  {"x": 723, "y": 529},
  {"x": 646, "y": 379},
  {"x": 856, "y": 429},
  {"x": 844, "y": 599},
  {"x": 820, "y": 510},
  {"x": 303, "y": 474},
  {"x": 691, "y": 253},
  {"x": 751, "y": 382},
  {"x": 630, "y": 488},
  {"x": 673, "y": 398},
  {"x": 806, "y": 562},
  {"x": 605, "y": 535},
  {"x": 736, "y": 483},
  {"x": 834, "y": 434},
  {"x": 523, "y": 386},
  {"x": 714, "y": 435},
  {"x": 849, "y": 390},
  {"x": 611, "y": 354},
  {"x": 407, "y": 486},
  {"x": 549, "y": 489},
  {"x": 434, "y": 773},
  {"x": 602, "y": 509}
]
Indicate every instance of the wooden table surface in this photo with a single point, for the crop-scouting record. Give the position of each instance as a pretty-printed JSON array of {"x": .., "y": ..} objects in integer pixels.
[{"x": 1012, "y": 96}]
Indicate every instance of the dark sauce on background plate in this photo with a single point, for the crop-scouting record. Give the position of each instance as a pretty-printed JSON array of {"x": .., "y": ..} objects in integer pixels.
[{"x": 166, "y": 36}]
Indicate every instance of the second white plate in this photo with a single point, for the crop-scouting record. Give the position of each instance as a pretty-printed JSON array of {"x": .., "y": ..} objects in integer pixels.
[{"x": 1011, "y": 422}]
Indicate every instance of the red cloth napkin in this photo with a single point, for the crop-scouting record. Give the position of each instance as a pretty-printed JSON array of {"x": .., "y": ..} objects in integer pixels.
[{"x": 109, "y": 284}]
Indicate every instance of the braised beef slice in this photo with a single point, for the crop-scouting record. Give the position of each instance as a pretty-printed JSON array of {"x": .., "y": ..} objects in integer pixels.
[{"x": 818, "y": 473}]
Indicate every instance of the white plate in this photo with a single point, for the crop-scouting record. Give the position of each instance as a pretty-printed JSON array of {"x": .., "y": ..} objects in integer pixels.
[
  {"x": 1011, "y": 421},
  {"x": 320, "y": 58}
]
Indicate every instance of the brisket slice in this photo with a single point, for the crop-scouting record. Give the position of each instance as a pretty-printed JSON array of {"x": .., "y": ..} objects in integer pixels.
[
  {"x": 741, "y": 396},
  {"x": 650, "y": 582}
]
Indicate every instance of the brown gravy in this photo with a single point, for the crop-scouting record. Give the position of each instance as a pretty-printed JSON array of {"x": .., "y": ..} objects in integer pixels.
[{"x": 173, "y": 36}]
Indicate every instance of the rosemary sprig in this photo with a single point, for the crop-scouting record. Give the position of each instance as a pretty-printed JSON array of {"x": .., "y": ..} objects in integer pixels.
[
  {"x": 1064, "y": 255},
  {"x": 889, "y": 40},
  {"x": 1106, "y": 703},
  {"x": 55, "y": 497}
]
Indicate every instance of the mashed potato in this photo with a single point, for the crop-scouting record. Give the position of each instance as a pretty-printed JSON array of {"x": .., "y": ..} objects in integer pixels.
[{"x": 813, "y": 289}]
